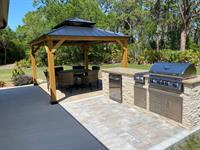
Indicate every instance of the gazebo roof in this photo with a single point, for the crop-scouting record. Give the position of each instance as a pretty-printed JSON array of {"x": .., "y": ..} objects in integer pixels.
[{"x": 75, "y": 27}]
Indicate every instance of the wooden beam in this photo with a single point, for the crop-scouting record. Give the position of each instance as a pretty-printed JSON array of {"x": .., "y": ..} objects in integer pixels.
[
  {"x": 51, "y": 71},
  {"x": 85, "y": 49},
  {"x": 34, "y": 68},
  {"x": 86, "y": 38},
  {"x": 124, "y": 46},
  {"x": 38, "y": 41},
  {"x": 57, "y": 45}
]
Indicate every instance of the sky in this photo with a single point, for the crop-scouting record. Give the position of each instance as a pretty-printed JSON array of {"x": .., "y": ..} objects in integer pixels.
[{"x": 17, "y": 11}]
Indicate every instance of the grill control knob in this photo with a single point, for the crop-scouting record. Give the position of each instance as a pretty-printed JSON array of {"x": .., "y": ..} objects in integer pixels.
[
  {"x": 166, "y": 83},
  {"x": 175, "y": 85},
  {"x": 154, "y": 81},
  {"x": 162, "y": 82}
]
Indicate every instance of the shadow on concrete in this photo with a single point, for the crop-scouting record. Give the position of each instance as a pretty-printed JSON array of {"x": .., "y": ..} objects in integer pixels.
[
  {"x": 29, "y": 122},
  {"x": 79, "y": 89}
]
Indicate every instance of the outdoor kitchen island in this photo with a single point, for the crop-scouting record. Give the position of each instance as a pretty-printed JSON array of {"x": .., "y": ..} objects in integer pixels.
[{"x": 182, "y": 107}]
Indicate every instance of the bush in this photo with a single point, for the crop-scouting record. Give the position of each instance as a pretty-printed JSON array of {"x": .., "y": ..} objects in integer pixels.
[
  {"x": 17, "y": 71},
  {"x": 152, "y": 56},
  {"x": 23, "y": 80},
  {"x": 26, "y": 63},
  {"x": 2, "y": 83}
]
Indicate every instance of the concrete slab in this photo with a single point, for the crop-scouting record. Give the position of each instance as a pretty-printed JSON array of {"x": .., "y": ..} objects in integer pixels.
[
  {"x": 121, "y": 127},
  {"x": 77, "y": 94},
  {"x": 29, "y": 122}
]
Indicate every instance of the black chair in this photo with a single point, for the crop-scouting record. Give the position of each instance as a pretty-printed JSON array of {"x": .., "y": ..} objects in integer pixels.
[
  {"x": 78, "y": 67},
  {"x": 46, "y": 74},
  {"x": 58, "y": 69},
  {"x": 95, "y": 68}
]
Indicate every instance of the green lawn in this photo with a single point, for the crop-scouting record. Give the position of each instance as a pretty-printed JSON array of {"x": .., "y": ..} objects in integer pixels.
[
  {"x": 192, "y": 143},
  {"x": 5, "y": 74}
]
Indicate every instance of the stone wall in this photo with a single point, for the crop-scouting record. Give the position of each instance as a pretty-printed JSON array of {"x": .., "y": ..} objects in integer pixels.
[
  {"x": 191, "y": 105},
  {"x": 105, "y": 83},
  {"x": 127, "y": 90},
  {"x": 127, "y": 87}
]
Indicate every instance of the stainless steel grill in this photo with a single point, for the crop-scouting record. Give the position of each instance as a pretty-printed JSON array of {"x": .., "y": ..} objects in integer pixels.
[
  {"x": 140, "y": 96},
  {"x": 139, "y": 77},
  {"x": 169, "y": 76}
]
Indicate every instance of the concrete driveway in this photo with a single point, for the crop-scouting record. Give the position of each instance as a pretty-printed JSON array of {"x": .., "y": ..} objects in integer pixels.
[{"x": 29, "y": 122}]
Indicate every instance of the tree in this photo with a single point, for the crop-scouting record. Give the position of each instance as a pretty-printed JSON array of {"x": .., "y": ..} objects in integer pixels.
[
  {"x": 189, "y": 10},
  {"x": 12, "y": 49}
]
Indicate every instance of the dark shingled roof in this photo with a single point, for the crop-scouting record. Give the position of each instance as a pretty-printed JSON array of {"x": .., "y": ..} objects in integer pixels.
[
  {"x": 75, "y": 27},
  {"x": 80, "y": 27}
]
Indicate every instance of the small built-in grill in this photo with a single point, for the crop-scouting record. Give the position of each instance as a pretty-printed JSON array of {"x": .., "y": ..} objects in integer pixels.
[
  {"x": 140, "y": 96},
  {"x": 169, "y": 76},
  {"x": 139, "y": 77}
]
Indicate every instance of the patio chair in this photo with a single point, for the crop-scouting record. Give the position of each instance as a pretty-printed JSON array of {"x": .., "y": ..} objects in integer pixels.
[
  {"x": 47, "y": 78},
  {"x": 66, "y": 80},
  {"x": 46, "y": 74},
  {"x": 78, "y": 67},
  {"x": 91, "y": 78},
  {"x": 95, "y": 68},
  {"x": 58, "y": 69}
]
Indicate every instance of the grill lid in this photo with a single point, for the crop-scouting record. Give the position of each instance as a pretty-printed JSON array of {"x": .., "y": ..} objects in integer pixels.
[{"x": 182, "y": 70}]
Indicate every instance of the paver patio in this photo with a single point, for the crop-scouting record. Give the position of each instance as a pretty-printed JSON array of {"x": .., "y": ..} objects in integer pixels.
[{"x": 120, "y": 127}]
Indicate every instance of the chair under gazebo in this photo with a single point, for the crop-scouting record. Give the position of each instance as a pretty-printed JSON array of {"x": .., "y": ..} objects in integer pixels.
[{"x": 74, "y": 32}]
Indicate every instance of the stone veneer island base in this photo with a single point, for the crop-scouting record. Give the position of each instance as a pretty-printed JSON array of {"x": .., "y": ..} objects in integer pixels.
[{"x": 188, "y": 102}]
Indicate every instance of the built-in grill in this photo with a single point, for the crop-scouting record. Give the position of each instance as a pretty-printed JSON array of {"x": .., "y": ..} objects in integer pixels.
[
  {"x": 140, "y": 77},
  {"x": 169, "y": 76},
  {"x": 140, "y": 93},
  {"x": 165, "y": 87}
]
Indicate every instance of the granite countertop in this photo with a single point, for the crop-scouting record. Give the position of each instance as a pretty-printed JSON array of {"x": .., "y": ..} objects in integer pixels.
[
  {"x": 192, "y": 80},
  {"x": 131, "y": 72},
  {"x": 123, "y": 71}
]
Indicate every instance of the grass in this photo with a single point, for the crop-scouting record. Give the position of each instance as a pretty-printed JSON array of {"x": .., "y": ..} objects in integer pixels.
[
  {"x": 5, "y": 74},
  {"x": 192, "y": 143}
]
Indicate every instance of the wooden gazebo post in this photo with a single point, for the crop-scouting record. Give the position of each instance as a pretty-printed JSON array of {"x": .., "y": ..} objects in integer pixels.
[
  {"x": 51, "y": 70},
  {"x": 124, "y": 46},
  {"x": 85, "y": 49},
  {"x": 34, "y": 68},
  {"x": 51, "y": 49}
]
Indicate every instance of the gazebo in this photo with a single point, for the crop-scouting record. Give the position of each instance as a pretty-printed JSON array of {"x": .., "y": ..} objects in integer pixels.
[{"x": 77, "y": 32}]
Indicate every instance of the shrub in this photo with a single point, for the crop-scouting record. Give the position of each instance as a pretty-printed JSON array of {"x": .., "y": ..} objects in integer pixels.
[
  {"x": 23, "y": 80},
  {"x": 152, "y": 56},
  {"x": 26, "y": 63},
  {"x": 2, "y": 83},
  {"x": 19, "y": 78},
  {"x": 17, "y": 71}
]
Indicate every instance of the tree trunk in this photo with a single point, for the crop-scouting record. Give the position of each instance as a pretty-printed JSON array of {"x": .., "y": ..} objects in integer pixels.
[
  {"x": 5, "y": 55},
  {"x": 183, "y": 40},
  {"x": 157, "y": 44}
]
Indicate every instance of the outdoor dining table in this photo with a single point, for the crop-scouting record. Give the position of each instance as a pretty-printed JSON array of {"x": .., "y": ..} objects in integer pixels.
[{"x": 78, "y": 74}]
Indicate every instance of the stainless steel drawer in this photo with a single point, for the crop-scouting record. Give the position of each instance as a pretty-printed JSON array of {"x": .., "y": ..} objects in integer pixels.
[
  {"x": 166, "y": 104},
  {"x": 140, "y": 95}
]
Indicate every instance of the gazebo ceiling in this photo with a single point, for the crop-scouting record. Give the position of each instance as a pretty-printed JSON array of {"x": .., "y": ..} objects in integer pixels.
[
  {"x": 77, "y": 30},
  {"x": 4, "y": 6}
]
